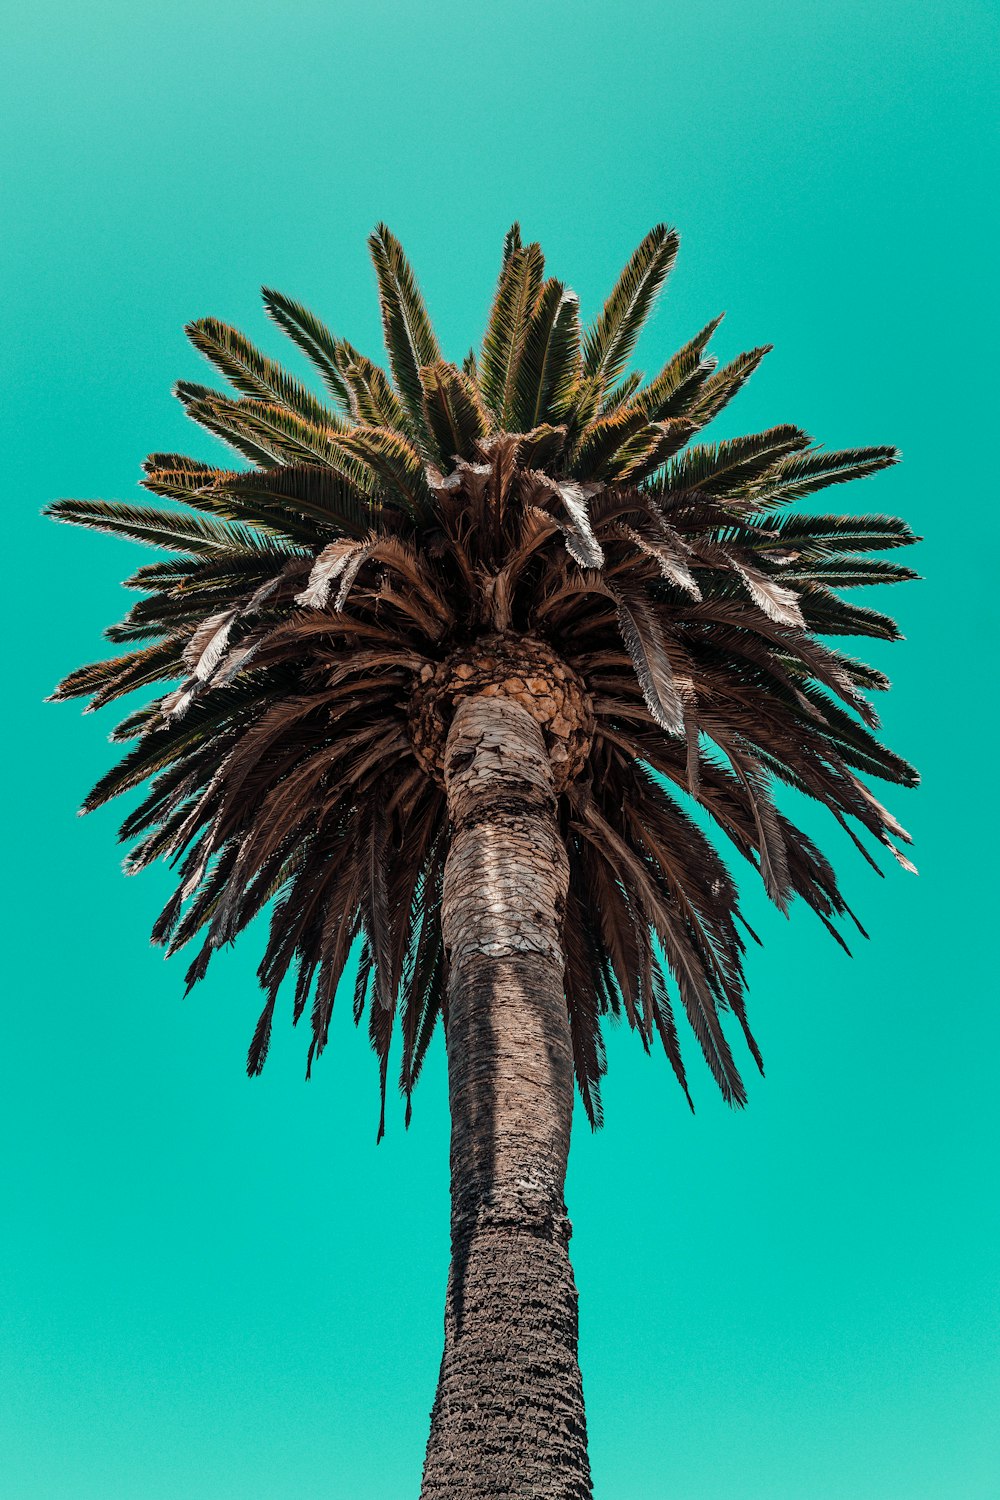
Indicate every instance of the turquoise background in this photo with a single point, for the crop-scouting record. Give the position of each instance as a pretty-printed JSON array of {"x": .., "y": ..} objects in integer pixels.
[{"x": 221, "y": 1290}]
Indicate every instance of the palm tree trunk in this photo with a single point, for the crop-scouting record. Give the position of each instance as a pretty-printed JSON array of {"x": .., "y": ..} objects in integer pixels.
[{"x": 508, "y": 1417}]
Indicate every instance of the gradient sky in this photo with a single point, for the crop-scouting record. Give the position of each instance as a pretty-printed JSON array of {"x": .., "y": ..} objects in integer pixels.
[{"x": 221, "y": 1290}]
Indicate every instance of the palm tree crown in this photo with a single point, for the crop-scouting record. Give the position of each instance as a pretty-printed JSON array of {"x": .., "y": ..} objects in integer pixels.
[{"x": 537, "y": 523}]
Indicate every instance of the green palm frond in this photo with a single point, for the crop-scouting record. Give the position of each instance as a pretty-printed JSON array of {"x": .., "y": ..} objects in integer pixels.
[
  {"x": 184, "y": 574},
  {"x": 701, "y": 340},
  {"x": 156, "y": 528},
  {"x": 155, "y": 664},
  {"x": 373, "y": 401},
  {"x": 622, "y": 393},
  {"x": 396, "y": 465},
  {"x": 827, "y": 614},
  {"x": 846, "y": 572},
  {"x": 723, "y": 468},
  {"x": 199, "y": 404},
  {"x": 542, "y": 447},
  {"x": 550, "y": 360},
  {"x": 174, "y": 475},
  {"x": 453, "y": 414},
  {"x": 650, "y": 449},
  {"x": 160, "y": 749},
  {"x": 312, "y": 337},
  {"x": 506, "y": 332},
  {"x": 671, "y": 392},
  {"x": 253, "y": 374},
  {"x": 104, "y": 680},
  {"x": 254, "y": 506},
  {"x": 511, "y": 243},
  {"x": 814, "y": 536},
  {"x": 720, "y": 388},
  {"x": 409, "y": 337},
  {"x": 580, "y": 405},
  {"x": 271, "y": 428},
  {"x": 794, "y": 478},
  {"x": 609, "y": 343},
  {"x": 323, "y": 496},
  {"x": 595, "y": 450}
]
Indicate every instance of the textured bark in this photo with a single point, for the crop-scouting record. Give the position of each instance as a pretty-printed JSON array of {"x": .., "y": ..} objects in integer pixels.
[{"x": 508, "y": 1418}]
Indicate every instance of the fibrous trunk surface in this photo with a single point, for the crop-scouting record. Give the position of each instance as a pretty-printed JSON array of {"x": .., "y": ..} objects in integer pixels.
[{"x": 508, "y": 1418}]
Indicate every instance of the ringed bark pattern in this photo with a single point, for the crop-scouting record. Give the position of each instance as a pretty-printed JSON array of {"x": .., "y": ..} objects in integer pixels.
[{"x": 508, "y": 1418}]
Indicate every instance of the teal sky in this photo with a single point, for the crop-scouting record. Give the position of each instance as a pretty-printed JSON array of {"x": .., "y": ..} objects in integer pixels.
[{"x": 221, "y": 1290}]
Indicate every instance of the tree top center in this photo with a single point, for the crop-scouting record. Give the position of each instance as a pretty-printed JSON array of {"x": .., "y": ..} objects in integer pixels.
[{"x": 521, "y": 667}]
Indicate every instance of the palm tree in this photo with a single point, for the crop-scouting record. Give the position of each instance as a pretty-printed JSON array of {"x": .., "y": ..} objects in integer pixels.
[{"x": 450, "y": 658}]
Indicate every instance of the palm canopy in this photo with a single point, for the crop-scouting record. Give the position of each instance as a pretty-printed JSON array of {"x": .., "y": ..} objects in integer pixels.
[{"x": 539, "y": 522}]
